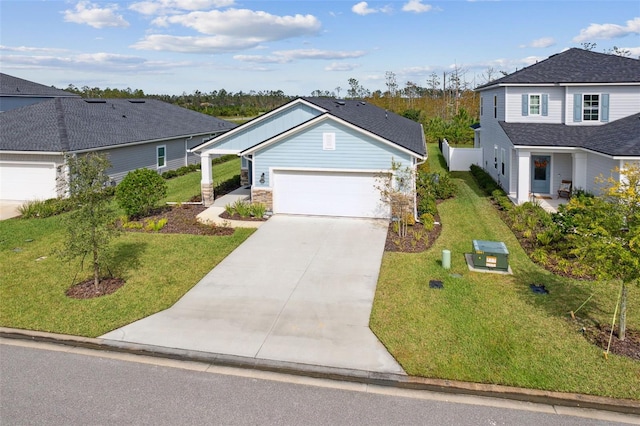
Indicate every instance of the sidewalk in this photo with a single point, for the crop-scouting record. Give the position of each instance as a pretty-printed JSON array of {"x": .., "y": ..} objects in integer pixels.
[{"x": 212, "y": 214}]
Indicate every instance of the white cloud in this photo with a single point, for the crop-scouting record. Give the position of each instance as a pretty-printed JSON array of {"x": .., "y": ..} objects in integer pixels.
[
  {"x": 635, "y": 51},
  {"x": 185, "y": 44},
  {"x": 286, "y": 56},
  {"x": 340, "y": 66},
  {"x": 27, "y": 49},
  {"x": 363, "y": 9},
  {"x": 157, "y": 7},
  {"x": 608, "y": 31},
  {"x": 416, "y": 6},
  {"x": 95, "y": 16},
  {"x": 541, "y": 43},
  {"x": 247, "y": 23}
]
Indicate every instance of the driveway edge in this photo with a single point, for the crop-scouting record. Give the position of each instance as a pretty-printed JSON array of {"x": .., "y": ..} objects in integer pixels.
[{"x": 625, "y": 406}]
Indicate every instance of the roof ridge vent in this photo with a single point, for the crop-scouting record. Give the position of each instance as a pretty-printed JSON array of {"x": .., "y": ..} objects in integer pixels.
[
  {"x": 137, "y": 101},
  {"x": 95, "y": 101}
]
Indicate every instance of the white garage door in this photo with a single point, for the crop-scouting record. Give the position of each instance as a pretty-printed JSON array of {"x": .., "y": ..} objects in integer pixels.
[
  {"x": 27, "y": 181},
  {"x": 327, "y": 194}
]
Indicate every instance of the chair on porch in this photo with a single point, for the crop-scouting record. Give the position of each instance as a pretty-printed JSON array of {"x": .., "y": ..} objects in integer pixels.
[{"x": 565, "y": 189}]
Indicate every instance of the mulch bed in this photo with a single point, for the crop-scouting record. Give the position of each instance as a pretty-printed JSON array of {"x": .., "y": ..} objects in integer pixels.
[
  {"x": 181, "y": 219},
  {"x": 629, "y": 347},
  {"x": 417, "y": 239},
  {"x": 88, "y": 290},
  {"x": 236, "y": 216}
]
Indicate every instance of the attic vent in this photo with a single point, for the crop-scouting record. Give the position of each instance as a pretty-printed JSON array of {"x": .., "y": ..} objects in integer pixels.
[
  {"x": 137, "y": 101},
  {"x": 95, "y": 101},
  {"x": 340, "y": 102},
  {"x": 362, "y": 103}
]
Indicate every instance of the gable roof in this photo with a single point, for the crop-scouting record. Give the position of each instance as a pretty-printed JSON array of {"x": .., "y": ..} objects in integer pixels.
[
  {"x": 75, "y": 124},
  {"x": 620, "y": 138},
  {"x": 574, "y": 66},
  {"x": 14, "y": 86},
  {"x": 388, "y": 125}
]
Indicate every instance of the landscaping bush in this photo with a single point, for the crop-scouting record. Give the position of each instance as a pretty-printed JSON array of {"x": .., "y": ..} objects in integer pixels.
[
  {"x": 484, "y": 179},
  {"x": 169, "y": 174},
  {"x": 427, "y": 221},
  {"x": 439, "y": 185},
  {"x": 140, "y": 191},
  {"x": 227, "y": 186},
  {"x": 427, "y": 205},
  {"x": 45, "y": 208},
  {"x": 223, "y": 159}
]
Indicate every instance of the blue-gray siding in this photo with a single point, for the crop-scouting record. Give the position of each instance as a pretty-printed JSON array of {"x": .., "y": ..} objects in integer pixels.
[{"x": 353, "y": 151}]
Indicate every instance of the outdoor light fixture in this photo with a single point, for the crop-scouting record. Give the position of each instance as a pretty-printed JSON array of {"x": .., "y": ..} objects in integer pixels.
[{"x": 262, "y": 178}]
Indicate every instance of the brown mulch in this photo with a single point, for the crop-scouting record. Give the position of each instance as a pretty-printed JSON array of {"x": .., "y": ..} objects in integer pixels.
[
  {"x": 88, "y": 290},
  {"x": 236, "y": 216},
  {"x": 417, "y": 239},
  {"x": 181, "y": 219},
  {"x": 599, "y": 336}
]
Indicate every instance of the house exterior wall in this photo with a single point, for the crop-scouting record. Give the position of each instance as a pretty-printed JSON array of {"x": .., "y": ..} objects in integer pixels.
[
  {"x": 353, "y": 151},
  {"x": 129, "y": 158},
  {"x": 562, "y": 167},
  {"x": 598, "y": 165},
  {"x": 267, "y": 127},
  {"x": 12, "y": 102},
  {"x": 555, "y": 112},
  {"x": 623, "y": 102}
]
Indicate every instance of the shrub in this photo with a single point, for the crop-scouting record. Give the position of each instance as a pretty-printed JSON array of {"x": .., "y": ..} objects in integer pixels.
[
  {"x": 169, "y": 174},
  {"x": 140, "y": 191},
  {"x": 258, "y": 210},
  {"x": 427, "y": 221},
  {"x": 46, "y": 208},
  {"x": 150, "y": 225},
  {"x": 223, "y": 159},
  {"x": 427, "y": 205},
  {"x": 227, "y": 186}
]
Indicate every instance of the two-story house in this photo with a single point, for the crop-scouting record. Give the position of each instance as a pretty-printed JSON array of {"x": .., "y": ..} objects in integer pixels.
[{"x": 572, "y": 117}]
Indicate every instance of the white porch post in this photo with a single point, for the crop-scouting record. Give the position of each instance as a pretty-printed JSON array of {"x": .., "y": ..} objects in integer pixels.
[
  {"x": 206, "y": 181},
  {"x": 579, "y": 170},
  {"x": 524, "y": 176}
]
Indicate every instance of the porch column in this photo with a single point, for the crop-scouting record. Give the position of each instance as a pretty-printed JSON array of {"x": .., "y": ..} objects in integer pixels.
[
  {"x": 579, "y": 170},
  {"x": 206, "y": 181},
  {"x": 524, "y": 176}
]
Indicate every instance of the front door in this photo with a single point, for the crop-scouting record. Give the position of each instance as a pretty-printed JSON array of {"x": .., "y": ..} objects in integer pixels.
[{"x": 540, "y": 174}]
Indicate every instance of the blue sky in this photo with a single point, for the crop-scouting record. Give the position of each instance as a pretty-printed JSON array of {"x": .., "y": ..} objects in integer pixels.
[{"x": 176, "y": 46}]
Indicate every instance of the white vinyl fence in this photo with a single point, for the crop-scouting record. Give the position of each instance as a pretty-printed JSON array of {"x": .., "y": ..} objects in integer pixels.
[{"x": 460, "y": 159}]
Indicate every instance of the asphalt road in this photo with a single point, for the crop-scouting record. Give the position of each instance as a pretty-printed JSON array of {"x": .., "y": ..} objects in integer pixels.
[{"x": 55, "y": 385}]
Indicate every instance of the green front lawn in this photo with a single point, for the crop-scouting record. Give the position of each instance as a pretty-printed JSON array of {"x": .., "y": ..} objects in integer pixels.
[
  {"x": 183, "y": 188},
  {"x": 158, "y": 269},
  {"x": 491, "y": 328}
]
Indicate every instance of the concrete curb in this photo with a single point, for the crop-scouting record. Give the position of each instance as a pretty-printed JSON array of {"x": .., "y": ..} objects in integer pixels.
[{"x": 625, "y": 406}]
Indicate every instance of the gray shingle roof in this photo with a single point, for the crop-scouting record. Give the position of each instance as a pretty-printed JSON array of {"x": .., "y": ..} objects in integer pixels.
[
  {"x": 393, "y": 127},
  {"x": 618, "y": 138},
  {"x": 575, "y": 66},
  {"x": 14, "y": 86},
  {"x": 75, "y": 124}
]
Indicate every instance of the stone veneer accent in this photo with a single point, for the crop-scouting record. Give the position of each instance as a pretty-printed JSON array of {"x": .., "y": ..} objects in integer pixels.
[
  {"x": 263, "y": 196},
  {"x": 207, "y": 193},
  {"x": 244, "y": 177}
]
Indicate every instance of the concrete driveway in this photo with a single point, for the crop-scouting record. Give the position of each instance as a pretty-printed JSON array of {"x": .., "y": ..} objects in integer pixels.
[
  {"x": 9, "y": 209},
  {"x": 300, "y": 289}
]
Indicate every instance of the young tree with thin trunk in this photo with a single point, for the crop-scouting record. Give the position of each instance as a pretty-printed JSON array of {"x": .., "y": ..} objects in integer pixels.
[
  {"x": 91, "y": 226},
  {"x": 607, "y": 232}
]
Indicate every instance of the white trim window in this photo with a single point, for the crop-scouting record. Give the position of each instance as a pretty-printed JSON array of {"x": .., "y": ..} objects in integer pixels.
[
  {"x": 481, "y": 106},
  {"x": 534, "y": 104},
  {"x": 161, "y": 156},
  {"x": 591, "y": 107},
  {"x": 495, "y": 107}
]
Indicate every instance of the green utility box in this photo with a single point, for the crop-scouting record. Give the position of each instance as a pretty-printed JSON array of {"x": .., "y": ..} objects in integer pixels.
[{"x": 490, "y": 255}]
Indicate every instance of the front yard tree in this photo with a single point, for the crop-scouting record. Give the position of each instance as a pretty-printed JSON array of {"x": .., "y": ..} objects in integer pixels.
[
  {"x": 90, "y": 227},
  {"x": 607, "y": 232},
  {"x": 397, "y": 190}
]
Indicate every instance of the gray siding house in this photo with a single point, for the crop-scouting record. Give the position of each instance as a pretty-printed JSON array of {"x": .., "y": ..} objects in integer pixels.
[
  {"x": 319, "y": 156},
  {"x": 570, "y": 117},
  {"x": 134, "y": 133}
]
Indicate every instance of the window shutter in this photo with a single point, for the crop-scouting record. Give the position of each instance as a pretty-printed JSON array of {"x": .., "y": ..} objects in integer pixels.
[
  {"x": 604, "y": 108},
  {"x": 577, "y": 107},
  {"x": 545, "y": 105},
  {"x": 525, "y": 105}
]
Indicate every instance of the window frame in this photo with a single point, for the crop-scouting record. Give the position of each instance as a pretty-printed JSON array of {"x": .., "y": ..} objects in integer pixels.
[
  {"x": 539, "y": 104},
  {"x": 589, "y": 111},
  {"x": 163, "y": 156},
  {"x": 495, "y": 106}
]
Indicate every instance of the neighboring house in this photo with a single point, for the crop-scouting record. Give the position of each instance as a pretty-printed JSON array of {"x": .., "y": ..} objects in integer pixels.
[
  {"x": 318, "y": 156},
  {"x": 16, "y": 92},
  {"x": 572, "y": 117},
  {"x": 134, "y": 133}
]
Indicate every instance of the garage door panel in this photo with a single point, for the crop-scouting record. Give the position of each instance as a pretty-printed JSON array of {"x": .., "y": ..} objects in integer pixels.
[
  {"x": 327, "y": 194},
  {"x": 27, "y": 181}
]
